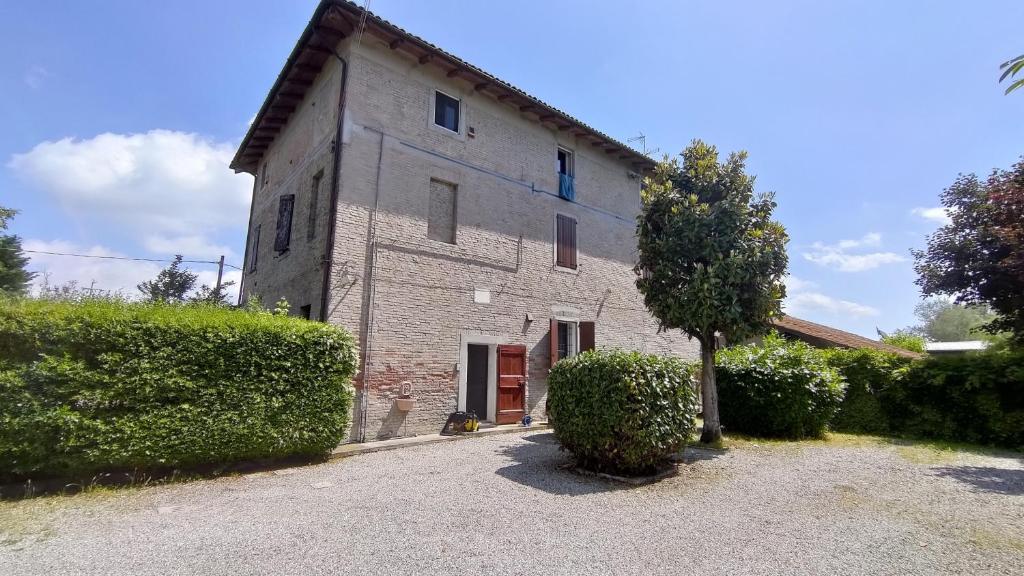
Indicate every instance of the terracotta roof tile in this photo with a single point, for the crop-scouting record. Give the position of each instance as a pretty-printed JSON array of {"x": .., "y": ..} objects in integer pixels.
[{"x": 834, "y": 336}]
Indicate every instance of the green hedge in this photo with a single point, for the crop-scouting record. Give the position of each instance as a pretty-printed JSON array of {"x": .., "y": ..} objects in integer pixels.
[
  {"x": 977, "y": 398},
  {"x": 869, "y": 375},
  {"x": 777, "y": 389},
  {"x": 100, "y": 385},
  {"x": 622, "y": 412}
]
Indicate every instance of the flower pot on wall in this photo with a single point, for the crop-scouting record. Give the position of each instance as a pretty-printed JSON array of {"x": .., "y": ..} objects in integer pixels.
[{"x": 405, "y": 403}]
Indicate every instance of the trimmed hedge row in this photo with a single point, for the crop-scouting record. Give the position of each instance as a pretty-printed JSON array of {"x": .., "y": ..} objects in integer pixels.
[
  {"x": 868, "y": 374},
  {"x": 622, "y": 412},
  {"x": 101, "y": 385},
  {"x": 977, "y": 398},
  {"x": 777, "y": 389}
]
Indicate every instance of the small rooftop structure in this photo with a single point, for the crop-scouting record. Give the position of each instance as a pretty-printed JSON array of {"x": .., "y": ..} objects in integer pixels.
[
  {"x": 828, "y": 337},
  {"x": 955, "y": 347}
]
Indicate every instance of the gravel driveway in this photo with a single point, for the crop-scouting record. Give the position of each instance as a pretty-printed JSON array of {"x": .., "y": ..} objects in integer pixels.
[{"x": 502, "y": 505}]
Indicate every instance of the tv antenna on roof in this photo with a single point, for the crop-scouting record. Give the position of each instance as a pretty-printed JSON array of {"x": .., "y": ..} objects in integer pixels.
[{"x": 642, "y": 139}]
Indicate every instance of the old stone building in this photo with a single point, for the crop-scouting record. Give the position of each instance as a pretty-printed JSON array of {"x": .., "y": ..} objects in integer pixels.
[{"x": 466, "y": 232}]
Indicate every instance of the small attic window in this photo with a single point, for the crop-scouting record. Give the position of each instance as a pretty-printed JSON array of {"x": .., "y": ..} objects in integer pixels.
[{"x": 446, "y": 111}]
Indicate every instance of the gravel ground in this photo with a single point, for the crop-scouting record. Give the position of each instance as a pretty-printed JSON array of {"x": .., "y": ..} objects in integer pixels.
[{"x": 502, "y": 504}]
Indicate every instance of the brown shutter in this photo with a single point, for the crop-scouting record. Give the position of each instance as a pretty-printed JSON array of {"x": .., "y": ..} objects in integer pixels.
[
  {"x": 553, "y": 338},
  {"x": 284, "y": 223},
  {"x": 565, "y": 242},
  {"x": 586, "y": 336},
  {"x": 571, "y": 233}
]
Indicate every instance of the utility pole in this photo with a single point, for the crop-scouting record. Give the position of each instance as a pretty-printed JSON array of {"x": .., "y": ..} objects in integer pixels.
[{"x": 220, "y": 274}]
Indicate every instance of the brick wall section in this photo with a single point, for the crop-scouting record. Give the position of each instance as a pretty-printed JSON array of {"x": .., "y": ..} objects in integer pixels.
[{"x": 416, "y": 294}]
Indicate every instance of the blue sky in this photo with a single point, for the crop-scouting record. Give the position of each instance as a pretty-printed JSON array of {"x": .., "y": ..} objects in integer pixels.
[{"x": 119, "y": 117}]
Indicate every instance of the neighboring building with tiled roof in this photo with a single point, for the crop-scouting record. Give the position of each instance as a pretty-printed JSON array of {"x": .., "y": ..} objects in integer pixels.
[
  {"x": 828, "y": 337},
  {"x": 468, "y": 234}
]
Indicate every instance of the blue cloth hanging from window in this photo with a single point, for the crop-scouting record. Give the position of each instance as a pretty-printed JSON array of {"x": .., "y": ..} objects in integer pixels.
[{"x": 566, "y": 187}]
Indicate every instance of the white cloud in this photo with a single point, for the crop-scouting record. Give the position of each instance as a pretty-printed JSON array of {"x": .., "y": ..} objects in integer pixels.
[
  {"x": 35, "y": 76},
  {"x": 937, "y": 214},
  {"x": 803, "y": 299},
  {"x": 173, "y": 190},
  {"x": 814, "y": 303},
  {"x": 839, "y": 255},
  {"x": 195, "y": 246},
  {"x": 111, "y": 275}
]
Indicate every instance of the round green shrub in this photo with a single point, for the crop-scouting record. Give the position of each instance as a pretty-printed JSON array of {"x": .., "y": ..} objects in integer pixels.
[
  {"x": 94, "y": 386},
  {"x": 777, "y": 389},
  {"x": 622, "y": 412},
  {"x": 869, "y": 375}
]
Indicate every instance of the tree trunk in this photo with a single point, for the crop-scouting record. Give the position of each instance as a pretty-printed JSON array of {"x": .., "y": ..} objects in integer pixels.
[{"x": 712, "y": 432}]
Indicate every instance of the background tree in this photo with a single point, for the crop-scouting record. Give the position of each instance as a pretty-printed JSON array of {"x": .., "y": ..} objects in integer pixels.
[
  {"x": 14, "y": 275},
  {"x": 213, "y": 294},
  {"x": 172, "y": 284},
  {"x": 943, "y": 320},
  {"x": 905, "y": 339},
  {"x": 711, "y": 257},
  {"x": 978, "y": 258},
  {"x": 1010, "y": 69}
]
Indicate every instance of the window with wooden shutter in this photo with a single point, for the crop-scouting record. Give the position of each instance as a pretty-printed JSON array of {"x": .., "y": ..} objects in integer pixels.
[
  {"x": 254, "y": 249},
  {"x": 565, "y": 241},
  {"x": 283, "y": 238}
]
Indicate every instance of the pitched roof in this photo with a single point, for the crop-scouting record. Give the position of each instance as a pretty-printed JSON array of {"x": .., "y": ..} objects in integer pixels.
[
  {"x": 827, "y": 336},
  {"x": 334, "y": 20}
]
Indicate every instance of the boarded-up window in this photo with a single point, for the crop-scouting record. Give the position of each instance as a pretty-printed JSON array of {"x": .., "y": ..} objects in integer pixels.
[
  {"x": 283, "y": 238},
  {"x": 565, "y": 241},
  {"x": 441, "y": 216},
  {"x": 254, "y": 248},
  {"x": 314, "y": 203}
]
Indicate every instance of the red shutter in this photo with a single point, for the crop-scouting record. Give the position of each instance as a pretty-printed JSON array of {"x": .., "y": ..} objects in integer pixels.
[
  {"x": 587, "y": 330},
  {"x": 553, "y": 341}
]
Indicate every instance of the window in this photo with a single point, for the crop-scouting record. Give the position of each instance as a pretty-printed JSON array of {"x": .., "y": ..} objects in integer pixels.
[
  {"x": 314, "y": 202},
  {"x": 441, "y": 213},
  {"x": 565, "y": 241},
  {"x": 566, "y": 339},
  {"x": 446, "y": 111},
  {"x": 565, "y": 162},
  {"x": 283, "y": 237},
  {"x": 254, "y": 249},
  {"x": 569, "y": 337},
  {"x": 566, "y": 171},
  {"x": 304, "y": 311},
  {"x": 264, "y": 175}
]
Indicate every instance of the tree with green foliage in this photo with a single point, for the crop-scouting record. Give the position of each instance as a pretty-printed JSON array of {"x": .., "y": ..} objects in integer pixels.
[
  {"x": 1010, "y": 70},
  {"x": 213, "y": 294},
  {"x": 943, "y": 320},
  {"x": 711, "y": 258},
  {"x": 172, "y": 284},
  {"x": 14, "y": 275},
  {"x": 905, "y": 339},
  {"x": 978, "y": 258}
]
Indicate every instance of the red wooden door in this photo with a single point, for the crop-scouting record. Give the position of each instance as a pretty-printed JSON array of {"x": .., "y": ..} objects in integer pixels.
[{"x": 511, "y": 383}]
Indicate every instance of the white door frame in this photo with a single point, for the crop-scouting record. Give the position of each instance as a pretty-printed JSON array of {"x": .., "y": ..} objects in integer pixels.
[{"x": 492, "y": 342}]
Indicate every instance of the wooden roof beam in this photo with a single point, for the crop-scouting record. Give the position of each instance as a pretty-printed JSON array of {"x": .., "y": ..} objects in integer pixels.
[
  {"x": 454, "y": 72},
  {"x": 425, "y": 58},
  {"x": 481, "y": 86},
  {"x": 394, "y": 44}
]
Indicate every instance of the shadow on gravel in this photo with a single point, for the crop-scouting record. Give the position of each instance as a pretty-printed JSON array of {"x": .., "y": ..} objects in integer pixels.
[
  {"x": 986, "y": 479},
  {"x": 542, "y": 466}
]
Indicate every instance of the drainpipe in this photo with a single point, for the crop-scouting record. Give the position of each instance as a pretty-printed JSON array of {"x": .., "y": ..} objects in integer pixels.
[{"x": 335, "y": 189}]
